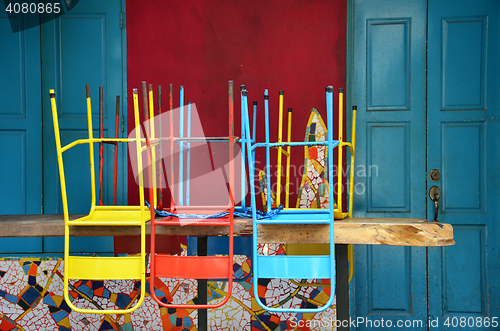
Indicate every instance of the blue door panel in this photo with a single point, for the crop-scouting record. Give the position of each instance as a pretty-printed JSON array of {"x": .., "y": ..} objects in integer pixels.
[
  {"x": 464, "y": 184},
  {"x": 463, "y": 113},
  {"x": 394, "y": 289},
  {"x": 20, "y": 126},
  {"x": 13, "y": 147},
  {"x": 82, "y": 47},
  {"x": 389, "y": 61},
  {"x": 467, "y": 37},
  {"x": 465, "y": 265},
  {"x": 388, "y": 164}
]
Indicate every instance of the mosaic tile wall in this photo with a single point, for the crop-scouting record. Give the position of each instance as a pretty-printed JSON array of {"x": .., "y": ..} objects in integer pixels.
[{"x": 31, "y": 298}]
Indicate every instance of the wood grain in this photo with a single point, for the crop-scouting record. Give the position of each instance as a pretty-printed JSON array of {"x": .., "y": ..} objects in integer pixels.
[{"x": 372, "y": 231}]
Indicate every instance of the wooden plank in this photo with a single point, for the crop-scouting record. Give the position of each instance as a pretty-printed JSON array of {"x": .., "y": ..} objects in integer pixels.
[
  {"x": 53, "y": 226},
  {"x": 373, "y": 231}
]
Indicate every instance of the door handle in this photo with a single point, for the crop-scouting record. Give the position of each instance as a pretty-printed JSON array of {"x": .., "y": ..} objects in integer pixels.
[{"x": 435, "y": 194}]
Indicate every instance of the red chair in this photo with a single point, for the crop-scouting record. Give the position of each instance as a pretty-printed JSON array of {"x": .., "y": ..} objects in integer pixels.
[{"x": 180, "y": 213}]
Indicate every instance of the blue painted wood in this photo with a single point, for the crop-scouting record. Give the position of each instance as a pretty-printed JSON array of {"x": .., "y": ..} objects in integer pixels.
[
  {"x": 388, "y": 61},
  {"x": 463, "y": 113},
  {"x": 20, "y": 129},
  {"x": 389, "y": 58},
  {"x": 389, "y": 292},
  {"x": 388, "y": 190},
  {"x": 82, "y": 47}
]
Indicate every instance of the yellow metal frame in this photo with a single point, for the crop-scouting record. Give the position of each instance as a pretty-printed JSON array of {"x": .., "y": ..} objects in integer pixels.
[
  {"x": 152, "y": 135},
  {"x": 280, "y": 149},
  {"x": 101, "y": 268},
  {"x": 337, "y": 211},
  {"x": 288, "y": 151}
]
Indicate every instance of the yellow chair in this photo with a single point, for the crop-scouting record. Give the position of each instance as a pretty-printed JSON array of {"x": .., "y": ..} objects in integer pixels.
[{"x": 102, "y": 268}]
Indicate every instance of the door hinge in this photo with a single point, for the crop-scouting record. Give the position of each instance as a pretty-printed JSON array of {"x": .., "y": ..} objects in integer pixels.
[
  {"x": 121, "y": 20},
  {"x": 123, "y": 123}
]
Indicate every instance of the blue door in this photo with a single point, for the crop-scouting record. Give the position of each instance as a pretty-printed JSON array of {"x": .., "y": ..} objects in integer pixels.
[
  {"x": 84, "y": 46},
  {"x": 388, "y": 86},
  {"x": 20, "y": 126},
  {"x": 412, "y": 121},
  {"x": 463, "y": 113}
]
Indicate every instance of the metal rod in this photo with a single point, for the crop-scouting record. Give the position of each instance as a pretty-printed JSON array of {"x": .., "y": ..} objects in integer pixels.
[
  {"x": 145, "y": 101},
  {"x": 231, "y": 139},
  {"x": 280, "y": 139},
  {"x": 340, "y": 151},
  {"x": 181, "y": 148},
  {"x": 243, "y": 150},
  {"x": 254, "y": 132},
  {"x": 253, "y": 204},
  {"x": 353, "y": 152},
  {"x": 172, "y": 163},
  {"x": 188, "y": 157},
  {"x": 91, "y": 145},
  {"x": 101, "y": 147},
  {"x": 115, "y": 176},
  {"x": 161, "y": 175},
  {"x": 296, "y": 143},
  {"x": 329, "y": 113},
  {"x": 287, "y": 177},
  {"x": 153, "y": 148},
  {"x": 268, "y": 151},
  {"x": 202, "y": 287}
]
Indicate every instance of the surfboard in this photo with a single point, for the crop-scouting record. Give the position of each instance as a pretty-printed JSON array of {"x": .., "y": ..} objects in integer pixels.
[{"x": 313, "y": 190}]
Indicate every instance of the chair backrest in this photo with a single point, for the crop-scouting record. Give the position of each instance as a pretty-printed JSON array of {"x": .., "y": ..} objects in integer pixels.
[
  {"x": 175, "y": 143},
  {"x": 101, "y": 268},
  {"x": 279, "y": 266}
]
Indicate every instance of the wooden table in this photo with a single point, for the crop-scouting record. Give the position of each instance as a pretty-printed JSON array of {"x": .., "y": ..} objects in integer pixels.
[{"x": 370, "y": 231}]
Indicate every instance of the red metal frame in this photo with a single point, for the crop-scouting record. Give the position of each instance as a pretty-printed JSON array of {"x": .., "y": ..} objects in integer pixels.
[{"x": 194, "y": 267}]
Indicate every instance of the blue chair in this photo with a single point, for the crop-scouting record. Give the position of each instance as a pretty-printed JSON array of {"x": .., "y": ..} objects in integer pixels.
[{"x": 290, "y": 266}]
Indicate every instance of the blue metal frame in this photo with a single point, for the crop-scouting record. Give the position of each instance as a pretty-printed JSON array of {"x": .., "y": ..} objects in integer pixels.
[
  {"x": 181, "y": 148},
  {"x": 283, "y": 266},
  {"x": 188, "y": 157},
  {"x": 242, "y": 140}
]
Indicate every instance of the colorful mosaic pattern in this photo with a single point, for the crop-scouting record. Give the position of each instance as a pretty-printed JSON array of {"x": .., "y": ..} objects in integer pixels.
[
  {"x": 314, "y": 186},
  {"x": 31, "y": 298}
]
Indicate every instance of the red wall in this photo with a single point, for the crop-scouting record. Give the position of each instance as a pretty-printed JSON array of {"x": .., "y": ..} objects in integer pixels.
[{"x": 296, "y": 46}]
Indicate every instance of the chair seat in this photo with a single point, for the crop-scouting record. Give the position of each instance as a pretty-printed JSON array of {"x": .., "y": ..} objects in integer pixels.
[
  {"x": 113, "y": 215},
  {"x": 340, "y": 216},
  {"x": 294, "y": 267},
  {"x": 194, "y": 267},
  {"x": 97, "y": 268}
]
